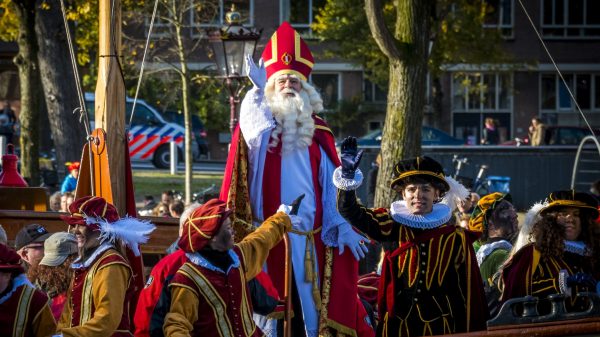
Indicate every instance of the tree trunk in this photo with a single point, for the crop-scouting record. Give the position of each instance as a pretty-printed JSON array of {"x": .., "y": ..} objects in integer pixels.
[
  {"x": 29, "y": 78},
  {"x": 60, "y": 91},
  {"x": 407, "y": 53},
  {"x": 185, "y": 88}
]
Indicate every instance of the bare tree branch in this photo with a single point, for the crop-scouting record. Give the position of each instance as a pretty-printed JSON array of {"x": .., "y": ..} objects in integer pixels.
[{"x": 382, "y": 35}]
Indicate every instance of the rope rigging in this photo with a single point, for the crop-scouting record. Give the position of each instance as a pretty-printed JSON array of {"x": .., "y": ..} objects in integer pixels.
[{"x": 556, "y": 67}]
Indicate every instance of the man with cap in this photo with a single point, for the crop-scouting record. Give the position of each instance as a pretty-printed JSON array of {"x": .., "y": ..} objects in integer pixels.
[
  {"x": 496, "y": 219},
  {"x": 209, "y": 292},
  {"x": 29, "y": 243},
  {"x": 560, "y": 256},
  {"x": 53, "y": 273},
  {"x": 430, "y": 284},
  {"x": 102, "y": 286},
  {"x": 24, "y": 310},
  {"x": 284, "y": 150}
]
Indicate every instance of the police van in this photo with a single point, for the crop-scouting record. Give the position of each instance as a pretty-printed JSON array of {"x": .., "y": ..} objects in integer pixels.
[{"x": 149, "y": 133}]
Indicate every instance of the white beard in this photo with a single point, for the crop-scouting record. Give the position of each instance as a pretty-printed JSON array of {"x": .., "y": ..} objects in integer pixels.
[{"x": 294, "y": 120}]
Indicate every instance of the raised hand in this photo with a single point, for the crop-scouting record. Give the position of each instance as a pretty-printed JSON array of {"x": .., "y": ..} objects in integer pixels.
[
  {"x": 350, "y": 157},
  {"x": 347, "y": 237},
  {"x": 257, "y": 74}
]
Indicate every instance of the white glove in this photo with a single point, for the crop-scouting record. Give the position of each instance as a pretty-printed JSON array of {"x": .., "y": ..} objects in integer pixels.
[
  {"x": 294, "y": 219},
  {"x": 257, "y": 74},
  {"x": 355, "y": 242}
]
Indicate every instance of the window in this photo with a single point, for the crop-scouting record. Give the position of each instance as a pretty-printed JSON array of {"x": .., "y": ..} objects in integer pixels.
[
  {"x": 373, "y": 93},
  {"x": 500, "y": 15},
  {"x": 328, "y": 85},
  {"x": 301, "y": 14},
  {"x": 211, "y": 13},
  {"x": 142, "y": 115},
  {"x": 556, "y": 105},
  {"x": 476, "y": 96},
  {"x": 570, "y": 18}
]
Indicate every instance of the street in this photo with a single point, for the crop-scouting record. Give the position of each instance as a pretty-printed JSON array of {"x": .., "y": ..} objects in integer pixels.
[{"x": 203, "y": 166}]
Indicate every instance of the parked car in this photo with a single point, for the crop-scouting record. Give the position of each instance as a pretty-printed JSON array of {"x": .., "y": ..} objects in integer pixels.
[
  {"x": 149, "y": 132},
  {"x": 197, "y": 129},
  {"x": 558, "y": 135},
  {"x": 429, "y": 136}
]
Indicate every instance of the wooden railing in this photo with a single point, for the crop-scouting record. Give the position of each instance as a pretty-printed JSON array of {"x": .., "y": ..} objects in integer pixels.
[{"x": 167, "y": 229}]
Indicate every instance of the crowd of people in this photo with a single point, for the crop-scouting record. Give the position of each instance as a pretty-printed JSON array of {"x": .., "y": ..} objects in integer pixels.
[{"x": 450, "y": 257}]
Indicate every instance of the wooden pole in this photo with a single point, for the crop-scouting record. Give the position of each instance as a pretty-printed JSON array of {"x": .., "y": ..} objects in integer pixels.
[{"x": 110, "y": 97}]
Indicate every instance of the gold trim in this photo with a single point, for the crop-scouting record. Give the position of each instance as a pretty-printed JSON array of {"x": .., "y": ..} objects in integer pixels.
[
  {"x": 566, "y": 203},
  {"x": 247, "y": 322},
  {"x": 212, "y": 298},
  {"x": 324, "y": 128},
  {"x": 288, "y": 72},
  {"x": 327, "y": 270},
  {"x": 298, "y": 51},
  {"x": 22, "y": 311},
  {"x": 273, "y": 58},
  {"x": 340, "y": 328},
  {"x": 416, "y": 172}
]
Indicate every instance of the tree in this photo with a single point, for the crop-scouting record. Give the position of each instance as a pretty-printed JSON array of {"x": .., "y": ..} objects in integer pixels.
[
  {"x": 405, "y": 40},
  {"x": 60, "y": 91},
  {"x": 29, "y": 77}
]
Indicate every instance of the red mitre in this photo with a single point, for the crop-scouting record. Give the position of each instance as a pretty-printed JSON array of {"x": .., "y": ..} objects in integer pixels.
[
  {"x": 203, "y": 224},
  {"x": 287, "y": 53},
  {"x": 90, "y": 207}
]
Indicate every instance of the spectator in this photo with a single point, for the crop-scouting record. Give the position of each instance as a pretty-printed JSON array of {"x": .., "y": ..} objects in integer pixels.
[
  {"x": 537, "y": 130},
  {"x": 149, "y": 205},
  {"x": 176, "y": 208},
  {"x": 55, "y": 201},
  {"x": 29, "y": 243},
  {"x": 70, "y": 182},
  {"x": 53, "y": 274},
  {"x": 24, "y": 311},
  {"x": 3, "y": 237},
  {"x": 161, "y": 210},
  {"x": 595, "y": 189},
  {"x": 167, "y": 197},
  {"x": 66, "y": 200},
  {"x": 491, "y": 135},
  {"x": 7, "y": 122},
  {"x": 465, "y": 208}
]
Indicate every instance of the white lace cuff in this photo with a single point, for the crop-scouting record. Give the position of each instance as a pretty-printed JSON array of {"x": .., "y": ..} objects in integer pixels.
[
  {"x": 347, "y": 184},
  {"x": 562, "y": 282},
  {"x": 255, "y": 116}
]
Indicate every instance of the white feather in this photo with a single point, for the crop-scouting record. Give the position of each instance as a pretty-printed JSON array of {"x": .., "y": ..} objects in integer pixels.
[
  {"x": 131, "y": 231},
  {"x": 455, "y": 194},
  {"x": 531, "y": 217}
]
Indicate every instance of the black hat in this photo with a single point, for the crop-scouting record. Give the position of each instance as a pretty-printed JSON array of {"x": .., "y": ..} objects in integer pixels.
[
  {"x": 30, "y": 234},
  {"x": 424, "y": 167},
  {"x": 571, "y": 198}
]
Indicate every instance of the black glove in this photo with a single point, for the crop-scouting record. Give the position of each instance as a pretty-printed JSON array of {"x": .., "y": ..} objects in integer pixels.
[
  {"x": 582, "y": 280},
  {"x": 350, "y": 157}
]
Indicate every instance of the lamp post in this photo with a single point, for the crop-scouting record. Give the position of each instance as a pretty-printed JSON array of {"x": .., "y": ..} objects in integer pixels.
[{"x": 230, "y": 44}]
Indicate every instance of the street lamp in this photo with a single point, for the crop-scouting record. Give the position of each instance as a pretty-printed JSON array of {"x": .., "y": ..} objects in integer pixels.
[{"x": 230, "y": 44}]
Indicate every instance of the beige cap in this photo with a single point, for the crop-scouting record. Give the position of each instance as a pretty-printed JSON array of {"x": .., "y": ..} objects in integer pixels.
[{"x": 57, "y": 248}]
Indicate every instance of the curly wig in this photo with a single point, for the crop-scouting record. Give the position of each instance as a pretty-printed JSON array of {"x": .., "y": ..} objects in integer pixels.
[{"x": 53, "y": 280}]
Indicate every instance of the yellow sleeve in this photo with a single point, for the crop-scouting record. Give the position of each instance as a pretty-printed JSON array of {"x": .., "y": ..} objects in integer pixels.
[
  {"x": 108, "y": 292},
  {"x": 43, "y": 323},
  {"x": 183, "y": 312},
  {"x": 256, "y": 246}
]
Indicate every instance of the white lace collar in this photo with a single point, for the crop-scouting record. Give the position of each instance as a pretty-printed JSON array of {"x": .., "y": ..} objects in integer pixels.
[
  {"x": 77, "y": 264},
  {"x": 197, "y": 259},
  {"x": 440, "y": 214},
  {"x": 577, "y": 247},
  {"x": 17, "y": 282},
  {"x": 488, "y": 248}
]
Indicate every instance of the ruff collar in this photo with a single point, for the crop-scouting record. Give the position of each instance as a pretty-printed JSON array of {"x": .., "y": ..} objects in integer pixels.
[
  {"x": 201, "y": 261},
  {"x": 577, "y": 247},
  {"x": 77, "y": 264},
  {"x": 488, "y": 248},
  {"x": 440, "y": 214}
]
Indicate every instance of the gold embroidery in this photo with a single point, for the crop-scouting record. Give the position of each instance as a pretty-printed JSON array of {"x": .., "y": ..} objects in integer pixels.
[{"x": 323, "y": 331}]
